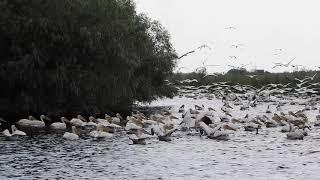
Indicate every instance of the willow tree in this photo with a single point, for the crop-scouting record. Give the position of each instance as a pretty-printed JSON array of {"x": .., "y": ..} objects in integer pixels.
[{"x": 80, "y": 56}]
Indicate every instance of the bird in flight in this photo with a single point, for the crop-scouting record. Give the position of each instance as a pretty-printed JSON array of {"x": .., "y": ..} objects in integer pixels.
[
  {"x": 233, "y": 57},
  {"x": 193, "y": 51},
  {"x": 204, "y": 46},
  {"x": 236, "y": 46},
  {"x": 297, "y": 65},
  {"x": 242, "y": 66},
  {"x": 282, "y": 64},
  {"x": 231, "y": 28}
]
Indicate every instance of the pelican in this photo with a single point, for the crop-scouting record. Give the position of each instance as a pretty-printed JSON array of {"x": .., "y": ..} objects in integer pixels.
[
  {"x": 71, "y": 136},
  {"x": 99, "y": 133},
  {"x": 163, "y": 135},
  {"x": 118, "y": 119},
  {"x": 15, "y": 133},
  {"x": 188, "y": 122},
  {"x": 91, "y": 122},
  {"x": 59, "y": 125},
  {"x": 252, "y": 127},
  {"x": 283, "y": 64},
  {"x": 79, "y": 121},
  {"x": 32, "y": 122},
  {"x": 133, "y": 125},
  {"x": 215, "y": 133},
  {"x": 139, "y": 138},
  {"x": 298, "y": 134}
]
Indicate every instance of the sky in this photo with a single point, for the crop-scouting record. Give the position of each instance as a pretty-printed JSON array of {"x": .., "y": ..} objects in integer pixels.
[{"x": 265, "y": 32}]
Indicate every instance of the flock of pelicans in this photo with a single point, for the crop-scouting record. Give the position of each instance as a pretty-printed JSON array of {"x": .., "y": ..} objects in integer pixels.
[
  {"x": 213, "y": 123},
  {"x": 209, "y": 122}
]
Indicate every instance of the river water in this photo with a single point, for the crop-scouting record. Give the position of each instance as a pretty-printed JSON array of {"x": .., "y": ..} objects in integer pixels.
[{"x": 268, "y": 155}]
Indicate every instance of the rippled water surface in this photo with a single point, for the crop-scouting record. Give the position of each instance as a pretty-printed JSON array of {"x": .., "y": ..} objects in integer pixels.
[{"x": 268, "y": 155}]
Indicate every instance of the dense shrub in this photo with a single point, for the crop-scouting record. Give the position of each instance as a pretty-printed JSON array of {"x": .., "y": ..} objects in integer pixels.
[{"x": 80, "y": 56}]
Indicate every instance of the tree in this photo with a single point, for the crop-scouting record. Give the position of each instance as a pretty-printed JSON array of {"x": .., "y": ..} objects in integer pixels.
[{"x": 80, "y": 56}]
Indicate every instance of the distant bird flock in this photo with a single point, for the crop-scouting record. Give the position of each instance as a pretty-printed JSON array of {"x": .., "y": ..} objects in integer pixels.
[{"x": 279, "y": 53}]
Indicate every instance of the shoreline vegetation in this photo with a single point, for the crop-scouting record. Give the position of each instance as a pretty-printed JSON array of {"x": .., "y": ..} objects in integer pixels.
[
  {"x": 63, "y": 58},
  {"x": 257, "y": 78}
]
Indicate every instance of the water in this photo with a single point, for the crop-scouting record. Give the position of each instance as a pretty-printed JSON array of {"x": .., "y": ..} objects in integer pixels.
[{"x": 268, "y": 155}]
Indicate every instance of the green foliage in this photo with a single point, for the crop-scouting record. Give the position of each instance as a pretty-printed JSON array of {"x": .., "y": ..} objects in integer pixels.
[
  {"x": 242, "y": 77},
  {"x": 80, "y": 56}
]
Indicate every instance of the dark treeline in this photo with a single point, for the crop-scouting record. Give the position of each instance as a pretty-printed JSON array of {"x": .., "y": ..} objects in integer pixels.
[
  {"x": 65, "y": 57},
  {"x": 241, "y": 76}
]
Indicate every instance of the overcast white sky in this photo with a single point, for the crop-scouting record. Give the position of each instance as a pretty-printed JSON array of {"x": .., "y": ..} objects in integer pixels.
[{"x": 262, "y": 26}]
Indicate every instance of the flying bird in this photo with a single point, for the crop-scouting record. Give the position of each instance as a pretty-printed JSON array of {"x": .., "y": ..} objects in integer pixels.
[
  {"x": 233, "y": 57},
  {"x": 236, "y": 46},
  {"x": 186, "y": 54},
  {"x": 193, "y": 51},
  {"x": 297, "y": 65},
  {"x": 231, "y": 28},
  {"x": 204, "y": 46},
  {"x": 282, "y": 64}
]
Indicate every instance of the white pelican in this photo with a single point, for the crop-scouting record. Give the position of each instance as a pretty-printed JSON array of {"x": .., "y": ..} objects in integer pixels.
[
  {"x": 91, "y": 122},
  {"x": 163, "y": 135},
  {"x": 139, "y": 138},
  {"x": 251, "y": 126},
  {"x": 116, "y": 120},
  {"x": 119, "y": 120},
  {"x": 133, "y": 125},
  {"x": 99, "y": 133},
  {"x": 15, "y": 133},
  {"x": 188, "y": 122},
  {"x": 32, "y": 122},
  {"x": 71, "y": 136},
  {"x": 59, "y": 125},
  {"x": 79, "y": 121},
  {"x": 215, "y": 133}
]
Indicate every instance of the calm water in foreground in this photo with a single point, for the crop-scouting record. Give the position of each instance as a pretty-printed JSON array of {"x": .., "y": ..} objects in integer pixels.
[{"x": 268, "y": 155}]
